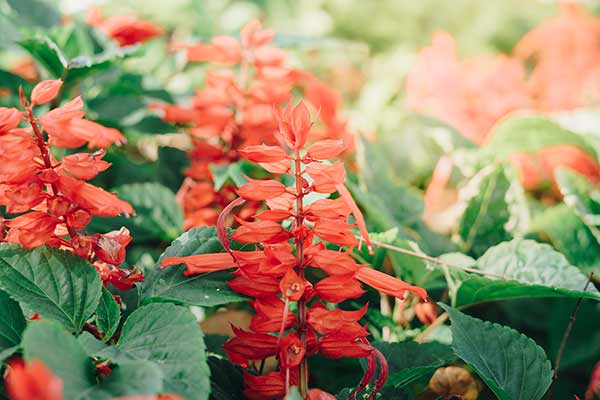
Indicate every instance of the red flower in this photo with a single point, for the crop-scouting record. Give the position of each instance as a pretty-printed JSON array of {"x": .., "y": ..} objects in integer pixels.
[
  {"x": 110, "y": 247},
  {"x": 263, "y": 153},
  {"x": 269, "y": 386},
  {"x": 271, "y": 315},
  {"x": 388, "y": 284},
  {"x": 201, "y": 263},
  {"x": 124, "y": 29},
  {"x": 317, "y": 394},
  {"x": 9, "y": 119},
  {"x": 291, "y": 351},
  {"x": 341, "y": 346},
  {"x": 32, "y": 380},
  {"x": 325, "y": 322},
  {"x": 257, "y": 190},
  {"x": 292, "y": 286},
  {"x": 45, "y": 91},
  {"x": 85, "y": 165},
  {"x": 338, "y": 288},
  {"x": 247, "y": 346}
]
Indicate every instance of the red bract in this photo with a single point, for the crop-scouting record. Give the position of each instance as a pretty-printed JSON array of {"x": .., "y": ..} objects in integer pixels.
[
  {"x": 52, "y": 198},
  {"x": 287, "y": 242},
  {"x": 32, "y": 380},
  {"x": 124, "y": 29},
  {"x": 233, "y": 116}
]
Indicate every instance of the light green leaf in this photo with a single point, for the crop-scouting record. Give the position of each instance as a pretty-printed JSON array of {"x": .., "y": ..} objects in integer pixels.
[
  {"x": 54, "y": 283},
  {"x": 170, "y": 336},
  {"x": 169, "y": 284},
  {"x": 223, "y": 173},
  {"x": 12, "y": 325},
  {"x": 512, "y": 365},
  {"x": 36, "y": 12},
  {"x": 47, "y": 53},
  {"x": 520, "y": 269},
  {"x": 50, "y": 343},
  {"x": 108, "y": 314},
  {"x": 578, "y": 195},
  {"x": 529, "y": 133},
  {"x": 294, "y": 394}
]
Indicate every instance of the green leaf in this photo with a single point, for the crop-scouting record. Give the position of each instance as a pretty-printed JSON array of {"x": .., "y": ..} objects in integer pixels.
[
  {"x": 169, "y": 284},
  {"x": 170, "y": 336},
  {"x": 131, "y": 378},
  {"x": 488, "y": 216},
  {"x": 226, "y": 380},
  {"x": 223, "y": 173},
  {"x": 12, "y": 325},
  {"x": 81, "y": 66},
  {"x": 578, "y": 195},
  {"x": 294, "y": 394},
  {"x": 158, "y": 215},
  {"x": 410, "y": 361},
  {"x": 54, "y": 283},
  {"x": 529, "y": 133},
  {"x": 512, "y": 365},
  {"x": 522, "y": 268},
  {"x": 47, "y": 53},
  {"x": 36, "y": 12},
  {"x": 108, "y": 314},
  {"x": 12, "y": 81},
  {"x": 48, "y": 342}
]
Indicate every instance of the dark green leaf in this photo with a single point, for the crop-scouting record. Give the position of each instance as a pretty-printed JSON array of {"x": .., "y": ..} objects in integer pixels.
[
  {"x": 108, "y": 314},
  {"x": 226, "y": 382},
  {"x": 169, "y": 284},
  {"x": 54, "y": 283},
  {"x": 47, "y": 53},
  {"x": 410, "y": 361},
  {"x": 522, "y": 268},
  {"x": 130, "y": 378},
  {"x": 512, "y": 365},
  {"x": 12, "y": 82},
  {"x": 48, "y": 342},
  {"x": 12, "y": 325},
  {"x": 170, "y": 336}
]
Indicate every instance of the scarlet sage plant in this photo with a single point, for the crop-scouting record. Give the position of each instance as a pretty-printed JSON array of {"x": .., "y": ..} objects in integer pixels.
[
  {"x": 234, "y": 110},
  {"x": 290, "y": 237},
  {"x": 49, "y": 202}
]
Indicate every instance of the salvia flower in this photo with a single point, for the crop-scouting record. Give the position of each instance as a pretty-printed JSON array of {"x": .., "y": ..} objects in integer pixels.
[
  {"x": 49, "y": 202},
  {"x": 289, "y": 238},
  {"x": 233, "y": 116},
  {"x": 126, "y": 30},
  {"x": 32, "y": 380}
]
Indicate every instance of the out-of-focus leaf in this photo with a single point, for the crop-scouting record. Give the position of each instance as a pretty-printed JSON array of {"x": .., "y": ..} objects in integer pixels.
[
  {"x": 54, "y": 283},
  {"x": 584, "y": 200},
  {"x": 512, "y": 365},
  {"x": 170, "y": 285},
  {"x": 527, "y": 269},
  {"x": 294, "y": 394},
  {"x": 223, "y": 173},
  {"x": 158, "y": 215},
  {"x": 226, "y": 382},
  {"x": 12, "y": 82},
  {"x": 36, "y": 12},
  {"x": 82, "y": 66},
  {"x": 47, "y": 53},
  {"x": 130, "y": 378},
  {"x": 529, "y": 133},
  {"x": 494, "y": 210},
  {"x": 154, "y": 333},
  {"x": 12, "y": 325}
]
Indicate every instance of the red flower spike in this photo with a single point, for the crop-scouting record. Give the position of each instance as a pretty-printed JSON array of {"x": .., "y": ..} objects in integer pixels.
[
  {"x": 388, "y": 284},
  {"x": 252, "y": 35},
  {"x": 292, "y": 286},
  {"x": 32, "y": 380},
  {"x": 45, "y": 91},
  {"x": 295, "y": 124},
  {"x": 257, "y": 190},
  {"x": 202, "y": 263}
]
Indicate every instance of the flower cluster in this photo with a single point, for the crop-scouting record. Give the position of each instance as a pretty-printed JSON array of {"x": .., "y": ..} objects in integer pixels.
[
  {"x": 291, "y": 262},
  {"x": 48, "y": 202},
  {"x": 234, "y": 110}
]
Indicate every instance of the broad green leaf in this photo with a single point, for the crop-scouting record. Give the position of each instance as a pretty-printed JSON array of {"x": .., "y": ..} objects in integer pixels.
[
  {"x": 50, "y": 343},
  {"x": 578, "y": 195},
  {"x": 169, "y": 284},
  {"x": 47, "y": 53},
  {"x": 570, "y": 236},
  {"x": 54, "y": 283},
  {"x": 491, "y": 214},
  {"x": 512, "y": 365},
  {"x": 108, "y": 314},
  {"x": 170, "y": 336},
  {"x": 223, "y": 173},
  {"x": 12, "y": 325},
  {"x": 12, "y": 82},
  {"x": 226, "y": 380},
  {"x": 529, "y": 133},
  {"x": 81, "y": 66},
  {"x": 520, "y": 269},
  {"x": 131, "y": 378},
  {"x": 410, "y": 361},
  {"x": 158, "y": 215},
  {"x": 36, "y": 12}
]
